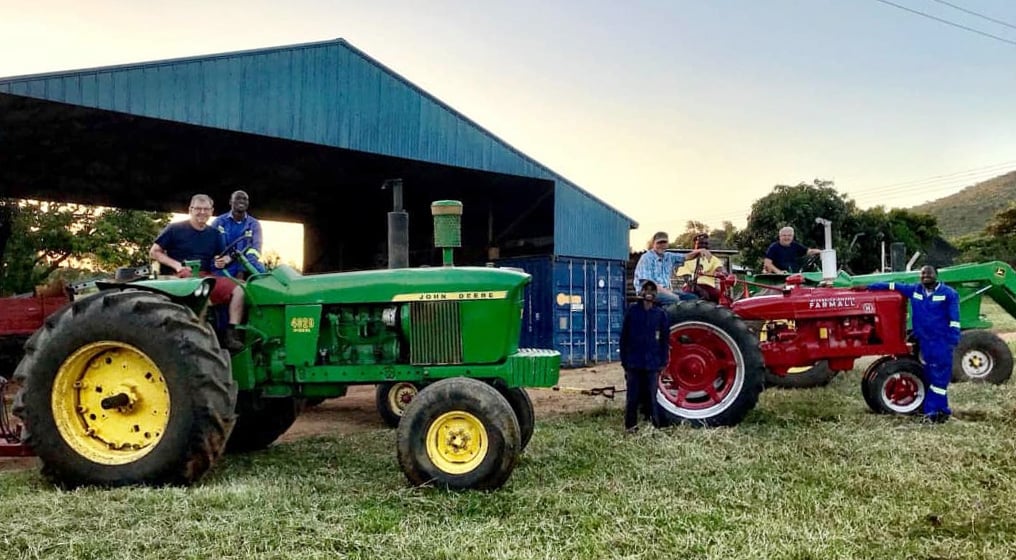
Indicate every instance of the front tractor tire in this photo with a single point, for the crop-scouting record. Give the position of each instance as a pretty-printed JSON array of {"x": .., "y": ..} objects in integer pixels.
[
  {"x": 459, "y": 434},
  {"x": 716, "y": 370},
  {"x": 894, "y": 386},
  {"x": 982, "y": 356},
  {"x": 122, "y": 388}
]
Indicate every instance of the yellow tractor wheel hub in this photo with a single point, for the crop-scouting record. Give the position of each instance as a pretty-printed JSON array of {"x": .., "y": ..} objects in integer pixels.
[
  {"x": 110, "y": 403},
  {"x": 457, "y": 442}
]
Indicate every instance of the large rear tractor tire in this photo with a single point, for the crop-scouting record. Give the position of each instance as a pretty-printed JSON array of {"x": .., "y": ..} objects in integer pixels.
[
  {"x": 716, "y": 371},
  {"x": 818, "y": 375},
  {"x": 459, "y": 434},
  {"x": 982, "y": 356},
  {"x": 392, "y": 398},
  {"x": 895, "y": 386},
  {"x": 261, "y": 420},
  {"x": 125, "y": 387}
]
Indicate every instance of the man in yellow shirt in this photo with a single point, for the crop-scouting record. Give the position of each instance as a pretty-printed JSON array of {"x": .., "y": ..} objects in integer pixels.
[{"x": 707, "y": 269}]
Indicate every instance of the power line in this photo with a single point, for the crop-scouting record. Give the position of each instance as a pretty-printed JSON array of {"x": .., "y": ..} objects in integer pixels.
[
  {"x": 946, "y": 185},
  {"x": 973, "y": 13},
  {"x": 947, "y": 22}
]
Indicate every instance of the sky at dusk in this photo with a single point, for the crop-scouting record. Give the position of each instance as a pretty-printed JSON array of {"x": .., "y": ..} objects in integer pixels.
[{"x": 668, "y": 110}]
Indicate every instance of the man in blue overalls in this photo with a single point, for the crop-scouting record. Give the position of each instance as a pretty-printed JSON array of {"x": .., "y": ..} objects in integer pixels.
[
  {"x": 245, "y": 230},
  {"x": 935, "y": 318}
]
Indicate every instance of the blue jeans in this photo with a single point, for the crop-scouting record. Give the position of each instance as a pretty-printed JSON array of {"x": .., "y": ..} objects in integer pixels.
[{"x": 664, "y": 298}]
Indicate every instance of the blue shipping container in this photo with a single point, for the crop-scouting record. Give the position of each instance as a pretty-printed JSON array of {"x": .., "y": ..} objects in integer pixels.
[{"x": 573, "y": 305}]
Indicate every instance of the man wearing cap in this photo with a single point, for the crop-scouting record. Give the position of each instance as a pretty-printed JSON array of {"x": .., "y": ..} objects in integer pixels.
[
  {"x": 645, "y": 351},
  {"x": 658, "y": 265}
]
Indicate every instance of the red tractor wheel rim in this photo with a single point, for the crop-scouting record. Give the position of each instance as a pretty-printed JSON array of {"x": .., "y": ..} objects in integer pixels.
[
  {"x": 903, "y": 392},
  {"x": 705, "y": 373}
]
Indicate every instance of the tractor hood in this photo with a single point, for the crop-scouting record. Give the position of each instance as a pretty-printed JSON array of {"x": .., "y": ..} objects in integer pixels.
[
  {"x": 809, "y": 303},
  {"x": 404, "y": 285}
]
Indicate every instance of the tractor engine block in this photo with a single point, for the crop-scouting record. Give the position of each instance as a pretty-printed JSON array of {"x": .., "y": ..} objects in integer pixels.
[{"x": 367, "y": 334}]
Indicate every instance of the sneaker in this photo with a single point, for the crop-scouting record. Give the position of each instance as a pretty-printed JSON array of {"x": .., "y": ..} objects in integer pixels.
[
  {"x": 632, "y": 430},
  {"x": 234, "y": 340}
]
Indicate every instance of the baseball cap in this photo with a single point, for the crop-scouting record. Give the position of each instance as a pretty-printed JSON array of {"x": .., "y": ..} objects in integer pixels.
[
  {"x": 647, "y": 282},
  {"x": 660, "y": 236}
]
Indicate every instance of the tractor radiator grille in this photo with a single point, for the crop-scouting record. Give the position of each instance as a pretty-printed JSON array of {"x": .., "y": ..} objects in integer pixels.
[{"x": 437, "y": 337}]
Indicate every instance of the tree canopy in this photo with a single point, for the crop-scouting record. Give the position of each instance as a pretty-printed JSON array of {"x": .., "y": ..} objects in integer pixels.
[
  {"x": 857, "y": 235},
  {"x": 40, "y": 239}
]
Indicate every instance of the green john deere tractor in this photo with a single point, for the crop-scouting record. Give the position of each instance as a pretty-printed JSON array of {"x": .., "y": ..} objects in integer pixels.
[{"x": 130, "y": 385}]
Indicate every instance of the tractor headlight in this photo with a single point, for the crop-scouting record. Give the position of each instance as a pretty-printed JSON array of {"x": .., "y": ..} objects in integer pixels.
[{"x": 202, "y": 290}]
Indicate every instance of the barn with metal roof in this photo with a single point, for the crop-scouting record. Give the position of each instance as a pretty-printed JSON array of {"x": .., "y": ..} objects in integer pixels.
[{"x": 312, "y": 131}]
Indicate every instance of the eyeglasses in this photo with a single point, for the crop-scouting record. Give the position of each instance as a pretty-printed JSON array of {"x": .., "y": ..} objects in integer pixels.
[
  {"x": 201, "y": 208},
  {"x": 661, "y": 241}
]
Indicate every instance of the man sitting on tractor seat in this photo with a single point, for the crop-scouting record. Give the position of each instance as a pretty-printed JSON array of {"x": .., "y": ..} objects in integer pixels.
[
  {"x": 658, "y": 265},
  {"x": 703, "y": 269},
  {"x": 195, "y": 240}
]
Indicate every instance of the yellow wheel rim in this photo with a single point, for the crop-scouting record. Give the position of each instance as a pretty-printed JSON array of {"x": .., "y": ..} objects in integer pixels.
[
  {"x": 110, "y": 403},
  {"x": 457, "y": 442}
]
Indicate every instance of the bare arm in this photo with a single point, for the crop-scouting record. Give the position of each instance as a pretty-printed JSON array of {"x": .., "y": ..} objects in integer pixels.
[
  {"x": 768, "y": 266},
  {"x": 159, "y": 254}
]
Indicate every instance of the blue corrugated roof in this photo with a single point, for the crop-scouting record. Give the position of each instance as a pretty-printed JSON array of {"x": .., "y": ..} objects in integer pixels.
[{"x": 333, "y": 94}]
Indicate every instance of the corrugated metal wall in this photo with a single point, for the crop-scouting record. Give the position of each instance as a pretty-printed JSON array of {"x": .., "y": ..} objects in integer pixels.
[{"x": 332, "y": 94}]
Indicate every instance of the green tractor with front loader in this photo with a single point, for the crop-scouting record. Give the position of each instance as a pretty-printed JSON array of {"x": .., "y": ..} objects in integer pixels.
[{"x": 131, "y": 386}]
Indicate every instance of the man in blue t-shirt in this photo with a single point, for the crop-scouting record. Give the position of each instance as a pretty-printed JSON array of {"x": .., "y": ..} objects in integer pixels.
[
  {"x": 242, "y": 233},
  {"x": 782, "y": 257},
  {"x": 193, "y": 240}
]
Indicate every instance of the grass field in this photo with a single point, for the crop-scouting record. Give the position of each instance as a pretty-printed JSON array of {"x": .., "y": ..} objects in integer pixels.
[{"x": 810, "y": 474}]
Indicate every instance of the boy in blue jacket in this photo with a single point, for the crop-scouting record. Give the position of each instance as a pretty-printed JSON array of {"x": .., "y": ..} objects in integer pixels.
[{"x": 645, "y": 350}]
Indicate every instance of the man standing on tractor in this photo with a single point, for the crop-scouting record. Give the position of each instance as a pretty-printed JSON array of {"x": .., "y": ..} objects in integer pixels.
[
  {"x": 935, "y": 310},
  {"x": 242, "y": 233},
  {"x": 645, "y": 351},
  {"x": 703, "y": 269},
  {"x": 658, "y": 265},
  {"x": 194, "y": 240},
  {"x": 782, "y": 256}
]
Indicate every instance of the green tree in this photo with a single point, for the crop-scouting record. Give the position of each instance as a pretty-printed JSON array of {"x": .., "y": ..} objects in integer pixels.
[
  {"x": 857, "y": 235},
  {"x": 876, "y": 226},
  {"x": 71, "y": 239},
  {"x": 796, "y": 206},
  {"x": 721, "y": 238},
  {"x": 997, "y": 241}
]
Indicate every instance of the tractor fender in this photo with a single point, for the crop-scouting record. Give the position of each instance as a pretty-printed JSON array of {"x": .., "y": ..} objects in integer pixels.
[{"x": 193, "y": 290}]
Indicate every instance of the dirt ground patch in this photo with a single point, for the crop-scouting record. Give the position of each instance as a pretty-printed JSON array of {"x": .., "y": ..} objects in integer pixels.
[{"x": 357, "y": 412}]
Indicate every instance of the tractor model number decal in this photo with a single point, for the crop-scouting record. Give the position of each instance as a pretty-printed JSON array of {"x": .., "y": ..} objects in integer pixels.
[
  {"x": 301, "y": 324},
  {"x": 832, "y": 303},
  {"x": 451, "y": 296}
]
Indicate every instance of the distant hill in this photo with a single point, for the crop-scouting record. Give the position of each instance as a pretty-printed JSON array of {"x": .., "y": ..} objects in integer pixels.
[{"x": 970, "y": 209}]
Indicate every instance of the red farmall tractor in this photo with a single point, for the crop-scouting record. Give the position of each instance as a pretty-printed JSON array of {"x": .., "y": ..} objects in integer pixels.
[{"x": 720, "y": 353}]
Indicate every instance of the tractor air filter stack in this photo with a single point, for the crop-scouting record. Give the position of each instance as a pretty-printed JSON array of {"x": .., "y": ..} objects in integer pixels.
[{"x": 447, "y": 227}]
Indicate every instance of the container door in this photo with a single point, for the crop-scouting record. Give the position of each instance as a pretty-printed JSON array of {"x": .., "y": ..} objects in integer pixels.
[
  {"x": 607, "y": 314},
  {"x": 570, "y": 299}
]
